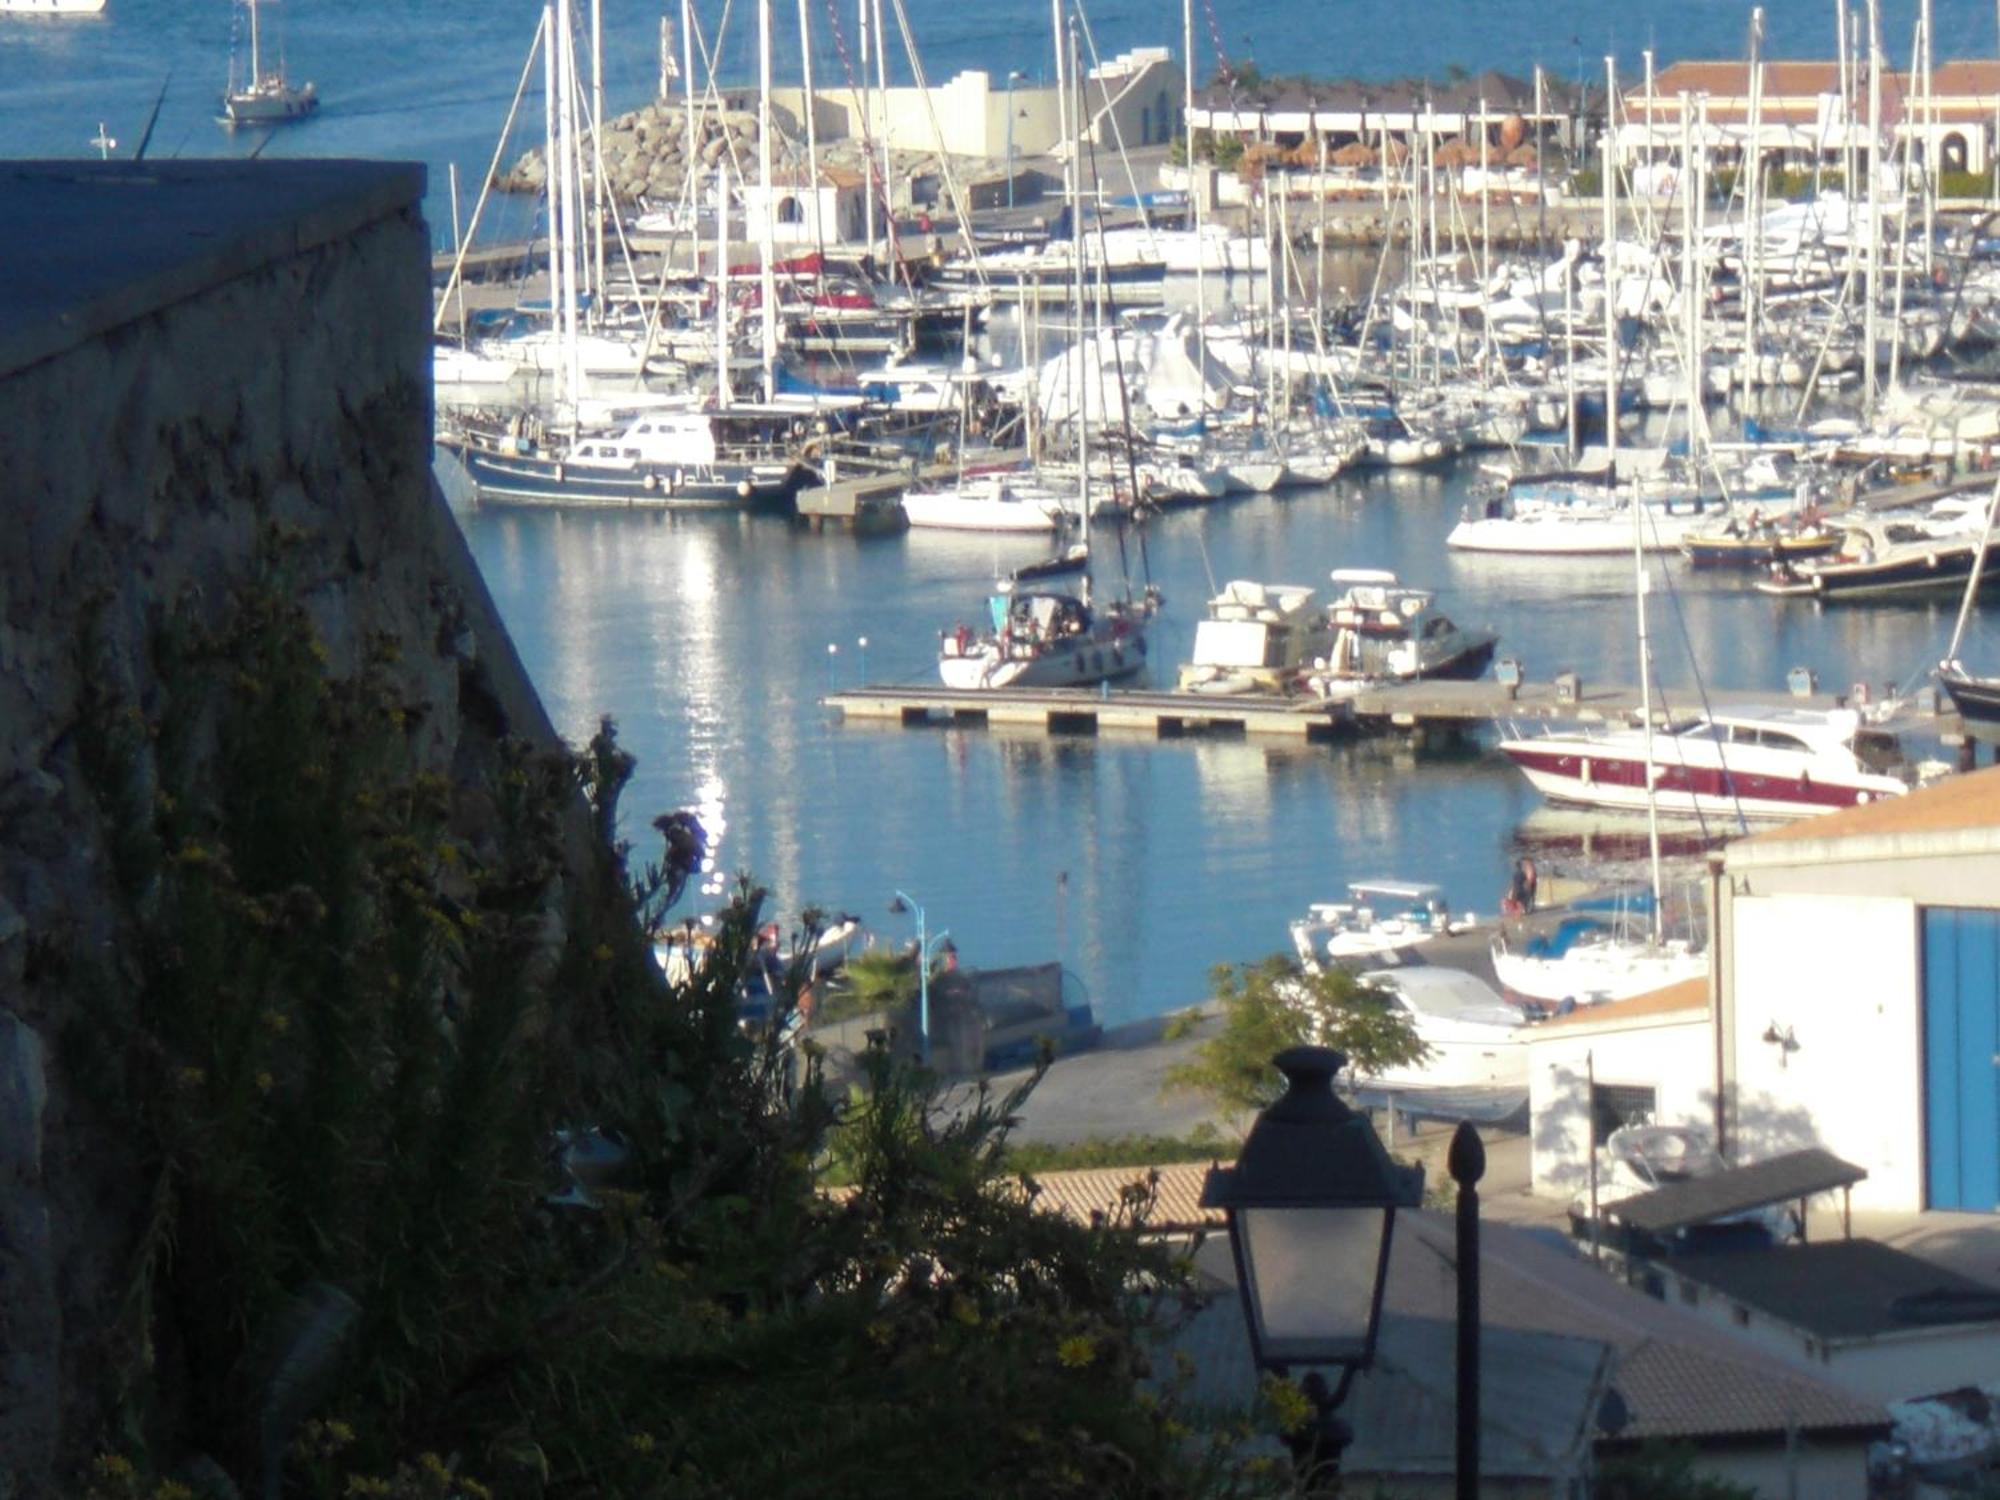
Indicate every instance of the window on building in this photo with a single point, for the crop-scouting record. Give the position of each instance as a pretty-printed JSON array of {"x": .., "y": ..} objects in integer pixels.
[{"x": 1613, "y": 1105}]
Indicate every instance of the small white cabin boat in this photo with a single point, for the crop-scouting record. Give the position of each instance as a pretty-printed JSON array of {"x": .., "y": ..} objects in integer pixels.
[{"x": 1475, "y": 1039}]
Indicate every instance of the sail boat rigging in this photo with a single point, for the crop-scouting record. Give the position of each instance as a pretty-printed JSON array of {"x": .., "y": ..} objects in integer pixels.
[
  {"x": 263, "y": 96},
  {"x": 1977, "y": 699}
]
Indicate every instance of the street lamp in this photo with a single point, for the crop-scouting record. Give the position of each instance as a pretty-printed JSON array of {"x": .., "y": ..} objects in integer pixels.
[
  {"x": 899, "y": 906},
  {"x": 1311, "y": 1205},
  {"x": 1012, "y": 79}
]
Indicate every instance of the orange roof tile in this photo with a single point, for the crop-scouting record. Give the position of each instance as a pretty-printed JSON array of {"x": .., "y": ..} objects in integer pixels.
[
  {"x": 1968, "y": 801},
  {"x": 1685, "y": 994}
]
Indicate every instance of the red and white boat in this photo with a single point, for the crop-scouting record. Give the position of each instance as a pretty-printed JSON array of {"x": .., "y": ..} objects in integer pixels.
[{"x": 1757, "y": 763}]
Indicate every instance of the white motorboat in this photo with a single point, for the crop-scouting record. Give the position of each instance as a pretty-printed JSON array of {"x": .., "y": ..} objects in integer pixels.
[
  {"x": 1473, "y": 1039},
  {"x": 1378, "y": 918},
  {"x": 1255, "y": 638},
  {"x": 1772, "y": 763},
  {"x": 988, "y": 502},
  {"x": 1385, "y": 630},
  {"x": 1639, "y": 1158},
  {"x": 50, "y": 7}
]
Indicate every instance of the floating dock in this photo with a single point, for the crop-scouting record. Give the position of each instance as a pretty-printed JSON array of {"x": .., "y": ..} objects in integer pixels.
[{"x": 1422, "y": 710}]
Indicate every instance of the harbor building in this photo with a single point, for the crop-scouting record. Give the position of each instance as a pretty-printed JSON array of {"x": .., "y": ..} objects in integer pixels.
[{"x": 1814, "y": 113}]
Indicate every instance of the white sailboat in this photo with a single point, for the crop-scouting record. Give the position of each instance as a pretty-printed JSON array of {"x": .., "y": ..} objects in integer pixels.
[{"x": 263, "y": 96}]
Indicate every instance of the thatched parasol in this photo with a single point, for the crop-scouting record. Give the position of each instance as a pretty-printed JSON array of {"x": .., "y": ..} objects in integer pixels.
[
  {"x": 1457, "y": 153},
  {"x": 1524, "y": 156},
  {"x": 1354, "y": 154}
]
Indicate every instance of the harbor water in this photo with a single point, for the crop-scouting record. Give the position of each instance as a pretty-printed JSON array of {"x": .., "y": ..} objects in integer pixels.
[
  {"x": 1141, "y": 863},
  {"x": 711, "y": 640}
]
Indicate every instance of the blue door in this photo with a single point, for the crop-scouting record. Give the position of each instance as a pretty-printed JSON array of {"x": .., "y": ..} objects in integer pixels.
[{"x": 1962, "y": 1057}]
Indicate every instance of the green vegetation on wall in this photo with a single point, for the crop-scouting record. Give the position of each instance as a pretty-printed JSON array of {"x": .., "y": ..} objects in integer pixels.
[{"x": 443, "y": 1192}]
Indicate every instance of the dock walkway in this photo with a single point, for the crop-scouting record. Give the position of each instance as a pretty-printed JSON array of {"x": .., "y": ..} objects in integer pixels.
[{"x": 1420, "y": 709}]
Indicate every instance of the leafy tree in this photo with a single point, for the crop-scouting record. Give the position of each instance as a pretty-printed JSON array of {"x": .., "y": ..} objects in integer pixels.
[{"x": 1274, "y": 1004}]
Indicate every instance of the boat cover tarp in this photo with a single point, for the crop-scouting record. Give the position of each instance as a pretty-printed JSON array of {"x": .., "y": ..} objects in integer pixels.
[{"x": 1738, "y": 1190}]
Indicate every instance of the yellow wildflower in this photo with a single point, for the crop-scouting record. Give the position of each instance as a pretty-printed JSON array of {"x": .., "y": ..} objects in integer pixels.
[
  {"x": 1076, "y": 1351},
  {"x": 188, "y": 1078},
  {"x": 264, "y": 1082},
  {"x": 642, "y": 1442},
  {"x": 1292, "y": 1407},
  {"x": 965, "y": 1310}
]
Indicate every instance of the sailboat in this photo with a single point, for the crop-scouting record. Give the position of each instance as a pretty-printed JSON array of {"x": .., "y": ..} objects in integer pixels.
[
  {"x": 263, "y": 96},
  {"x": 1046, "y": 637},
  {"x": 1977, "y": 699}
]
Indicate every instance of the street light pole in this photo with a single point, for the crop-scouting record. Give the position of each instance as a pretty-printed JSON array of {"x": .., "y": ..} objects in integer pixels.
[
  {"x": 1466, "y": 1161},
  {"x": 1012, "y": 79}
]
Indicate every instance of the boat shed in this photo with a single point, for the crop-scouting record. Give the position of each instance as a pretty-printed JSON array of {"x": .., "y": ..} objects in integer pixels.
[
  {"x": 1858, "y": 956},
  {"x": 1643, "y": 1059},
  {"x": 1877, "y": 1320}
]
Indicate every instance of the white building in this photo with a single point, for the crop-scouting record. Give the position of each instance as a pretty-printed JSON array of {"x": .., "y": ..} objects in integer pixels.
[
  {"x": 831, "y": 214},
  {"x": 1133, "y": 99},
  {"x": 1859, "y": 998}
]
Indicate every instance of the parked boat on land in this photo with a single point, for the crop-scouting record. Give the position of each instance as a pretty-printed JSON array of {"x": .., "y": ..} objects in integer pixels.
[
  {"x": 1378, "y": 918},
  {"x": 1587, "y": 960},
  {"x": 1473, "y": 1039}
]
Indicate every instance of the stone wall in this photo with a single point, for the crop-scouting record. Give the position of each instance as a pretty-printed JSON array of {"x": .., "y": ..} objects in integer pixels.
[{"x": 205, "y": 355}]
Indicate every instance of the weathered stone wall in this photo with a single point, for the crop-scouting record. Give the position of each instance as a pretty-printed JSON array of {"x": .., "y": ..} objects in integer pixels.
[{"x": 144, "y": 468}]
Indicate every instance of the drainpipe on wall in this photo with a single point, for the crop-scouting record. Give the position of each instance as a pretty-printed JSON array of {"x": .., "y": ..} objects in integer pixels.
[{"x": 1715, "y": 978}]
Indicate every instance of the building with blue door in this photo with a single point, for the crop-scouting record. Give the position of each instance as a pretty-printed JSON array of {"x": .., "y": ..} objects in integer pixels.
[{"x": 1857, "y": 971}]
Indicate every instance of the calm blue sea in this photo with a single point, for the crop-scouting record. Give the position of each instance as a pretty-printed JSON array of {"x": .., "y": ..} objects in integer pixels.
[{"x": 1139, "y": 864}]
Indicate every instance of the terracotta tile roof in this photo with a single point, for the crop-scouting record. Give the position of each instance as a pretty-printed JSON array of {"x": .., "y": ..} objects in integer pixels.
[
  {"x": 1963, "y": 78},
  {"x": 1957, "y": 802},
  {"x": 1079, "y": 1194},
  {"x": 1684, "y": 995}
]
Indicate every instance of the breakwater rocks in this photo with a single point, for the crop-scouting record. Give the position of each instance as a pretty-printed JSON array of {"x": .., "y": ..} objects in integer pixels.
[
  {"x": 646, "y": 152},
  {"x": 646, "y": 155}
]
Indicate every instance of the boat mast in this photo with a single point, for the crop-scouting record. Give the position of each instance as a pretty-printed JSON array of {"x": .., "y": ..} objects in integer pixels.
[
  {"x": 1753, "y": 210},
  {"x": 1084, "y": 351},
  {"x": 767, "y": 281},
  {"x": 1873, "y": 283},
  {"x": 1641, "y": 581},
  {"x": 1972, "y": 583},
  {"x": 550, "y": 147},
  {"x": 572, "y": 197},
  {"x": 256, "y": 65},
  {"x": 722, "y": 391},
  {"x": 1195, "y": 195},
  {"x": 597, "y": 152},
  {"x": 1610, "y": 274}
]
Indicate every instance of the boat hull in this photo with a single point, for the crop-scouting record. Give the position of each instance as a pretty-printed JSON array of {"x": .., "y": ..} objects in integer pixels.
[
  {"x": 1941, "y": 570},
  {"x": 527, "y": 480},
  {"x": 1977, "y": 699},
  {"x": 1601, "y": 775}
]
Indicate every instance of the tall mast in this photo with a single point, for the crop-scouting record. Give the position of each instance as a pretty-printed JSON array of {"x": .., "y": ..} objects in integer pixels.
[
  {"x": 867, "y": 156},
  {"x": 1195, "y": 195},
  {"x": 551, "y": 149},
  {"x": 1083, "y": 350},
  {"x": 256, "y": 65},
  {"x": 812, "y": 125},
  {"x": 1753, "y": 209},
  {"x": 1610, "y": 270},
  {"x": 767, "y": 280},
  {"x": 597, "y": 148},
  {"x": 1874, "y": 281},
  {"x": 722, "y": 392}
]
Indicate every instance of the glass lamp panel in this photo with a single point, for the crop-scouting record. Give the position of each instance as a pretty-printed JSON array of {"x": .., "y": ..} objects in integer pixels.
[{"x": 1310, "y": 1275}]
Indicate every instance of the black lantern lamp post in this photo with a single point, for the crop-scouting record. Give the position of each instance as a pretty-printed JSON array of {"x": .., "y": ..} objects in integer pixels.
[{"x": 1311, "y": 1206}]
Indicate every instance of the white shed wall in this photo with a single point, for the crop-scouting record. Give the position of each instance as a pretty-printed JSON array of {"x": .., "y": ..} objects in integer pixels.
[
  {"x": 1674, "y": 1055},
  {"x": 1840, "y": 976}
]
